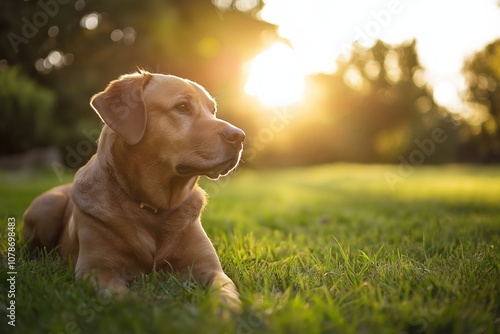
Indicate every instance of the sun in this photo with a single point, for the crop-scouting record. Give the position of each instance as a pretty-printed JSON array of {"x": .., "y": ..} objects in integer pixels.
[{"x": 275, "y": 76}]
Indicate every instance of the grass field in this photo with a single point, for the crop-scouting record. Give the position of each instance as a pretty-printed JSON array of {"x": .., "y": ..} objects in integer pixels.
[{"x": 329, "y": 249}]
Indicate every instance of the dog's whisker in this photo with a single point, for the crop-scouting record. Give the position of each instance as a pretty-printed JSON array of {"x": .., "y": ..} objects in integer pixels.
[{"x": 152, "y": 165}]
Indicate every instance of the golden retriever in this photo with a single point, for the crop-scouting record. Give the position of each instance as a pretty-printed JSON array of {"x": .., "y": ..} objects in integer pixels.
[{"x": 135, "y": 206}]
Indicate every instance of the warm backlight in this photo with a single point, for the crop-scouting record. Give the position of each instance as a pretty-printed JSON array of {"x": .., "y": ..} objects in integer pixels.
[{"x": 275, "y": 76}]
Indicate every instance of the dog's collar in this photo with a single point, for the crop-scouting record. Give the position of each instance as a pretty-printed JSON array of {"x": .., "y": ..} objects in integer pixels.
[
  {"x": 148, "y": 207},
  {"x": 142, "y": 205}
]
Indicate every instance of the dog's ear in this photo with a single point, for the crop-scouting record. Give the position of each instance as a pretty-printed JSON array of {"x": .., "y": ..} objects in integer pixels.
[{"x": 121, "y": 106}]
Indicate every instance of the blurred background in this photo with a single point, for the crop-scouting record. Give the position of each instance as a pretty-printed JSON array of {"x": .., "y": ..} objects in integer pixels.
[{"x": 318, "y": 81}]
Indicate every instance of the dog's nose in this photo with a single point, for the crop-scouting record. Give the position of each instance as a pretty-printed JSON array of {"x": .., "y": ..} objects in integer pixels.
[{"x": 233, "y": 135}]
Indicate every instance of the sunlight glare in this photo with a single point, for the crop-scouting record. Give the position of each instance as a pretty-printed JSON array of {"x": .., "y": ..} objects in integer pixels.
[
  {"x": 446, "y": 94},
  {"x": 321, "y": 31},
  {"x": 275, "y": 77}
]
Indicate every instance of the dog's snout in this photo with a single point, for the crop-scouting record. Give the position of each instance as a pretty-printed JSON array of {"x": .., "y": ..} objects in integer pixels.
[{"x": 233, "y": 135}]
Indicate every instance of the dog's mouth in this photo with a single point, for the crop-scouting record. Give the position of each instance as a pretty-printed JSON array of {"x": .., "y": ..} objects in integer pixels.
[{"x": 212, "y": 172}]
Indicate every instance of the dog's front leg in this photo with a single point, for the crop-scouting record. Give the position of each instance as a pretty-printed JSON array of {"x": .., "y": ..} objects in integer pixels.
[
  {"x": 226, "y": 289},
  {"x": 197, "y": 257},
  {"x": 105, "y": 281},
  {"x": 103, "y": 259}
]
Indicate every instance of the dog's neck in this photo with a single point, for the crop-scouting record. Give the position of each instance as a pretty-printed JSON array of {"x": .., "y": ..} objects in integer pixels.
[
  {"x": 151, "y": 188},
  {"x": 173, "y": 193}
]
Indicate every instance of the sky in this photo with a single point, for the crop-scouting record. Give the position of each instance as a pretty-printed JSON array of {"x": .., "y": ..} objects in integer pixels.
[{"x": 447, "y": 32}]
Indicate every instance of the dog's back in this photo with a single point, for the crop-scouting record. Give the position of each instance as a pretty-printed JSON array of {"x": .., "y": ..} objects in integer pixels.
[{"x": 46, "y": 218}]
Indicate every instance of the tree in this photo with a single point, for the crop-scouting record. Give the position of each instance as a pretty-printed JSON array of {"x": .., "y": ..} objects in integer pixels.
[
  {"x": 74, "y": 48},
  {"x": 375, "y": 108},
  {"x": 482, "y": 73},
  {"x": 29, "y": 106}
]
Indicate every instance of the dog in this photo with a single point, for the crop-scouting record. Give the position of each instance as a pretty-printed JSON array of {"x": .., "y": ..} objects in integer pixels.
[{"x": 135, "y": 206}]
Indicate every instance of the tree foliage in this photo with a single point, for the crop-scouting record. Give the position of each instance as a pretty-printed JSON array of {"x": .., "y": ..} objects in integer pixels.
[
  {"x": 75, "y": 48},
  {"x": 482, "y": 73},
  {"x": 376, "y": 107},
  {"x": 29, "y": 106}
]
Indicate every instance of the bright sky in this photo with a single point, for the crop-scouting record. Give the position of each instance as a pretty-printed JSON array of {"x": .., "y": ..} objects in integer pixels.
[{"x": 447, "y": 32}]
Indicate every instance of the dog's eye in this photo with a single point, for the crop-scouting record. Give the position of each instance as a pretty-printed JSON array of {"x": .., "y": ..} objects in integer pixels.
[{"x": 183, "y": 108}]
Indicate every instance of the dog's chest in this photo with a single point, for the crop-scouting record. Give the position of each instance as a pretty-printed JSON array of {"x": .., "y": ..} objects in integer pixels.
[
  {"x": 155, "y": 239},
  {"x": 160, "y": 240}
]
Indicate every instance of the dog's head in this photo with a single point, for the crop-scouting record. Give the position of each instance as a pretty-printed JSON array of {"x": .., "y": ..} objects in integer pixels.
[{"x": 171, "y": 121}]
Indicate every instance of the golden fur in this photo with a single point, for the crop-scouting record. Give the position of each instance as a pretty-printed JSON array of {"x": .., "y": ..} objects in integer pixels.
[{"x": 135, "y": 206}]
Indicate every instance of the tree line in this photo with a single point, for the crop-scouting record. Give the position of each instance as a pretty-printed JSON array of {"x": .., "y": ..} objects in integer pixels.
[{"x": 376, "y": 108}]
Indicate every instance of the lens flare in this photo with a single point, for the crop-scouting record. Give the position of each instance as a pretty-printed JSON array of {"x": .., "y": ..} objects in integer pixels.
[{"x": 275, "y": 77}]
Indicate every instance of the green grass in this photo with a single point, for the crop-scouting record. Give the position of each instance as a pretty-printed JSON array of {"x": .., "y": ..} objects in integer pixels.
[{"x": 329, "y": 249}]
